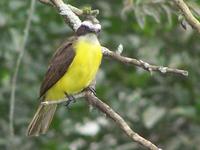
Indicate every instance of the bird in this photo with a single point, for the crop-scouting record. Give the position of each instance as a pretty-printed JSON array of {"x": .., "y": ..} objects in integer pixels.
[{"x": 72, "y": 68}]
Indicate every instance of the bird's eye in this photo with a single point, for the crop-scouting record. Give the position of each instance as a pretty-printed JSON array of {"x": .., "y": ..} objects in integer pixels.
[
  {"x": 87, "y": 29},
  {"x": 83, "y": 30}
]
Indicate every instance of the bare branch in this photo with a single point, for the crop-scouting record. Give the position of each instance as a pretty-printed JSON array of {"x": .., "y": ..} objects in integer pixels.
[
  {"x": 97, "y": 103},
  {"x": 188, "y": 15},
  {"x": 18, "y": 62},
  {"x": 101, "y": 106},
  {"x": 76, "y": 96},
  {"x": 141, "y": 64}
]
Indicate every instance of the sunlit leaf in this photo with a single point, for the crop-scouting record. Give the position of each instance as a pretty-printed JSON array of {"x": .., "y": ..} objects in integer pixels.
[
  {"x": 140, "y": 17},
  {"x": 152, "y": 115},
  {"x": 168, "y": 13}
]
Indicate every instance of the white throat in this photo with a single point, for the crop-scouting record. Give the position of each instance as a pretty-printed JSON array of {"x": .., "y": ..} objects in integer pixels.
[{"x": 90, "y": 37}]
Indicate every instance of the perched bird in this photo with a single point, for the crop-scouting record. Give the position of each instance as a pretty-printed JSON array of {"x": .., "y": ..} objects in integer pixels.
[{"x": 72, "y": 68}]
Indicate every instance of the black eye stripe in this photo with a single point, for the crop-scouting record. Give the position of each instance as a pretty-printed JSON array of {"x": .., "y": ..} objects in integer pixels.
[{"x": 86, "y": 28}]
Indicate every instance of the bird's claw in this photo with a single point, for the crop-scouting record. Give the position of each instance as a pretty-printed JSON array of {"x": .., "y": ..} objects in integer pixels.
[
  {"x": 91, "y": 89},
  {"x": 70, "y": 100}
]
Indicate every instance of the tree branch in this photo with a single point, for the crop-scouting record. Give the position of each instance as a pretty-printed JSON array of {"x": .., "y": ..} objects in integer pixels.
[
  {"x": 70, "y": 18},
  {"x": 75, "y": 96},
  {"x": 188, "y": 14},
  {"x": 141, "y": 64},
  {"x": 103, "y": 107},
  {"x": 100, "y": 105}
]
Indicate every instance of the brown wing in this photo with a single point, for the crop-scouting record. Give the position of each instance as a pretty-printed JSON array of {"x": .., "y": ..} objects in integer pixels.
[{"x": 58, "y": 65}]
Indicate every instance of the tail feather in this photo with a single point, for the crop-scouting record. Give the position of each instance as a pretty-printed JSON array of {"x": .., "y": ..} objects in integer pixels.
[{"x": 41, "y": 120}]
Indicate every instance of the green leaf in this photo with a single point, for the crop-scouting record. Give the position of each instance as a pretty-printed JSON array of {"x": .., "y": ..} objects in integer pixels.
[
  {"x": 151, "y": 11},
  {"x": 168, "y": 13},
  {"x": 140, "y": 17}
]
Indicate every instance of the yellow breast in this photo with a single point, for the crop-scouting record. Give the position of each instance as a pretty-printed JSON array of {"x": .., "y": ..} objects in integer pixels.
[{"x": 81, "y": 71}]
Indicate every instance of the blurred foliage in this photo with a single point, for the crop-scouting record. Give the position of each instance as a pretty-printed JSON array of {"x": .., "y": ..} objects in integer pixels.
[{"x": 162, "y": 108}]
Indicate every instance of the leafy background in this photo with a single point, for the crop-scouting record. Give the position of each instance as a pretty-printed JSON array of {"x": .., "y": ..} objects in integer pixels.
[{"x": 163, "y": 108}]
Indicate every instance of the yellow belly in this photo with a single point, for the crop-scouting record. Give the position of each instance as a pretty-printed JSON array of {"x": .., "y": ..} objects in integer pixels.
[{"x": 80, "y": 73}]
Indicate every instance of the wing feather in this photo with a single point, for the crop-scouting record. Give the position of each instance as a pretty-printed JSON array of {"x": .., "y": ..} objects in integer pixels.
[{"x": 58, "y": 65}]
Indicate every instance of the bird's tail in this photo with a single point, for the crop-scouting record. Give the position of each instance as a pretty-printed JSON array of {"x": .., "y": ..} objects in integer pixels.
[{"x": 41, "y": 120}]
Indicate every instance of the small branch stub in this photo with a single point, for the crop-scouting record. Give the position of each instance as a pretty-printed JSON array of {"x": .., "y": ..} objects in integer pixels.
[
  {"x": 100, "y": 105},
  {"x": 120, "y": 49}
]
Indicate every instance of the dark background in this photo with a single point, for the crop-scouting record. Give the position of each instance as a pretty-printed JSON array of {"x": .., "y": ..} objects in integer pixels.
[{"x": 162, "y": 108}]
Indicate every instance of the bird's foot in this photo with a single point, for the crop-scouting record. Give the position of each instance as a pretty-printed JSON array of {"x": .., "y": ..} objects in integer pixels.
[{"x": 71, "y": 99}]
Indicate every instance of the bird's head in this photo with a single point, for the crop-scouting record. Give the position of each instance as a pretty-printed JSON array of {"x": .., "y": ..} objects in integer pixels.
[{"x": 88, "y": 27}]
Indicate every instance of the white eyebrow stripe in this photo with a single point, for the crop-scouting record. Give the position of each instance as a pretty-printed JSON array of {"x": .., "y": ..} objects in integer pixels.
[
  {"x": 97, "y": 26},
  {"x": 87, "y": 23},
  {"x": 91, "y": 26}
]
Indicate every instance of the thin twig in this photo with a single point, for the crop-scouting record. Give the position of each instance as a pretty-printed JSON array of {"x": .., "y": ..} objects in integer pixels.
[
  {"x": 142, "y": 64},
  {"x": 188, "y": 14},
  {"x": 75, "y": 10},
  {"x": 19, "y": 59},
  {"x": 48, "y": 2}
]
